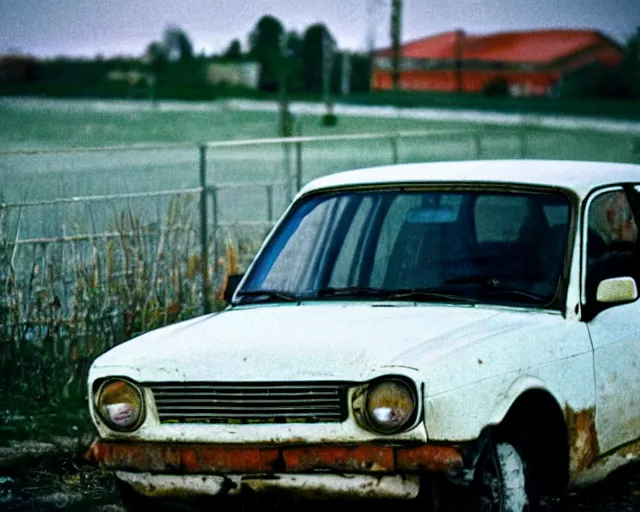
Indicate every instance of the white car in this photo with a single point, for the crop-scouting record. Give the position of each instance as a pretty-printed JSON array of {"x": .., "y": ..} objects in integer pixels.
[{"x": 472, "y": 322}]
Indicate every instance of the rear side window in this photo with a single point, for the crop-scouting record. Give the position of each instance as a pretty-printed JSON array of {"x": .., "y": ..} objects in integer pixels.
[
  {"x": 612, "y": 235},
  {"x": 612, "y": 226}
]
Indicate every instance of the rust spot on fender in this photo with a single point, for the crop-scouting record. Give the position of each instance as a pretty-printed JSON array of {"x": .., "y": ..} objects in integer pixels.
[{"x": 583, "y": 439}]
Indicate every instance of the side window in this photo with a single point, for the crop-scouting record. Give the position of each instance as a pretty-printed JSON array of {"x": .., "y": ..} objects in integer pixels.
[
  {"x": 612, "y": 234},
  {"x": 611, "y": 225}
]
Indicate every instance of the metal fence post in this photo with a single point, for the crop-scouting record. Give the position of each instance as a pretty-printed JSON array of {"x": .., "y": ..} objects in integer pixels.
[
  {"x": 204, "y": 233},
  {"x": 477, "y": 145},
  {"x": 287, "y": 170},
  {"x": 214, "y": 195},
  {"x": 269, "y": 202},
  {"x": 522, "y": 135},
  {"x": 298, "y": 166},
  {"x": 394, "y": 149}
]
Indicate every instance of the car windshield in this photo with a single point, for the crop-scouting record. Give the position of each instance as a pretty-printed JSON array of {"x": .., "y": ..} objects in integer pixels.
[{"x": 463, "y": 246}]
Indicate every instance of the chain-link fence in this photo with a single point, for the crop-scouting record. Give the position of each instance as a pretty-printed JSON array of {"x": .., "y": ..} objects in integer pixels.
[{"x": 98, "y": 245}]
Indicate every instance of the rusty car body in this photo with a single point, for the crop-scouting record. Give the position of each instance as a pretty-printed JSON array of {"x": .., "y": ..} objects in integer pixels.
[{"x": 475, "y": 322}]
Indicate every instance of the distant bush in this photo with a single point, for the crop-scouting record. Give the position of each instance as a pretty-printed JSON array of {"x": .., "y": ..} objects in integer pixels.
[
  {"x": 497, "y": 87},
  {"x": 596, "y": 80},
  {"x": 329, "y": 120}
]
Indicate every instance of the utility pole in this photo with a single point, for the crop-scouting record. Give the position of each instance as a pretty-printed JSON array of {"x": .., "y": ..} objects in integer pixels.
[
  {"x": 345, "y": 75},
  {"x": 375, "y": 15},
  {"x": 458, "y": 64},
  {"x": 285, "y": 117},
  {"x": 328, "y": 53},
  {"x": 396, "y": 37},
  {"x": 637, "y": 68}
]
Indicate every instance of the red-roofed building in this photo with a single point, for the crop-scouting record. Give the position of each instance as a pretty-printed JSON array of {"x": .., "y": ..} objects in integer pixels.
[{"x": 527, "y": 63}]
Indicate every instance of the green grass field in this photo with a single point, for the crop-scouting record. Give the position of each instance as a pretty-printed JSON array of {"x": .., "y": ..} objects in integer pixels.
[
  {"x": 32, "y": 122},
  {"x": 56, "y": 124}
]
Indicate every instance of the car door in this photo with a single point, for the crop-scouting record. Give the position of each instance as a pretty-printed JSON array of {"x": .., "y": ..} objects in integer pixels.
[{"x": 610, "y": 237}]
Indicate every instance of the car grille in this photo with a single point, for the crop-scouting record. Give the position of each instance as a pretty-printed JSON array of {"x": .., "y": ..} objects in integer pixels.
[{"x": 250, "y": 402}]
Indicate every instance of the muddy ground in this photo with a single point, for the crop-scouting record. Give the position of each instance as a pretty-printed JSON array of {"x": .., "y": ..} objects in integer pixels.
[{"x": 53, "y": 475}]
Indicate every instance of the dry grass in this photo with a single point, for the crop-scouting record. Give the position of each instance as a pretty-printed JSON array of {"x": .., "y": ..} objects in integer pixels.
[{"x": 65, "y": 303}]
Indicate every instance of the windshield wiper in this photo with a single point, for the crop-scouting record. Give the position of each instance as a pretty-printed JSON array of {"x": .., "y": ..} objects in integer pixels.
[
  {"x": 429, "y": 295},
  {"x": 489, "y": 281},
  {"x": 519, "y": 293},
  {"x": 352, "y": 291},
  {"x": 493, "y": 285},
  {"x": 268, "y": 296},
  {"x": 409, "y": 294}
]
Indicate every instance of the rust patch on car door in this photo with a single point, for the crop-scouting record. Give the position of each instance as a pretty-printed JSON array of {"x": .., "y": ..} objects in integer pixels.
[{"x": 583, "y": 439}]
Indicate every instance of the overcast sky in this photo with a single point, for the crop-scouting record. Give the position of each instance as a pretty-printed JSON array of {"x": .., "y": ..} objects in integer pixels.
[{"x": 108, "y": 27}]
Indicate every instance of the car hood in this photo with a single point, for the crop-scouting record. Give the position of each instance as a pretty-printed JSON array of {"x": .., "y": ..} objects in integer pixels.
[{"x": 328, "y": 341}]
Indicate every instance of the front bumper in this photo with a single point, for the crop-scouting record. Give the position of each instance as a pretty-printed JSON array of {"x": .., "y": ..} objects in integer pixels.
[
  {"x": 172, "y": 458},
  {"x": 364, "y": 470}
]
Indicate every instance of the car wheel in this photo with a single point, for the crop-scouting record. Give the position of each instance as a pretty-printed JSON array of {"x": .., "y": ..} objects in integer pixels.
[{"x": 501, "y": 480}]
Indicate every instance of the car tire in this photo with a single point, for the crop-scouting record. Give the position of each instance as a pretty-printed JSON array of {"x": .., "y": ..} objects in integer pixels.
[{"x": 501, "y": 480}]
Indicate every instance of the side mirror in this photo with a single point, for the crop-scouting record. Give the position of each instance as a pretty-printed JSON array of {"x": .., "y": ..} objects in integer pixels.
[
  {"x": 617, "y": 289},
  {"x": 232, "y": 285}
]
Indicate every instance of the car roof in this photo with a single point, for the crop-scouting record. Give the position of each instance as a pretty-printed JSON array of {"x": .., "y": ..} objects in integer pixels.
[{"x": 580, "y": 177}]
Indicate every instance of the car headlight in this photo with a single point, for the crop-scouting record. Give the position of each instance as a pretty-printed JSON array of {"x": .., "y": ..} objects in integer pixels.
[
  {"x": 391, "y": 406},
  {"x": 120, "y": 405}
]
